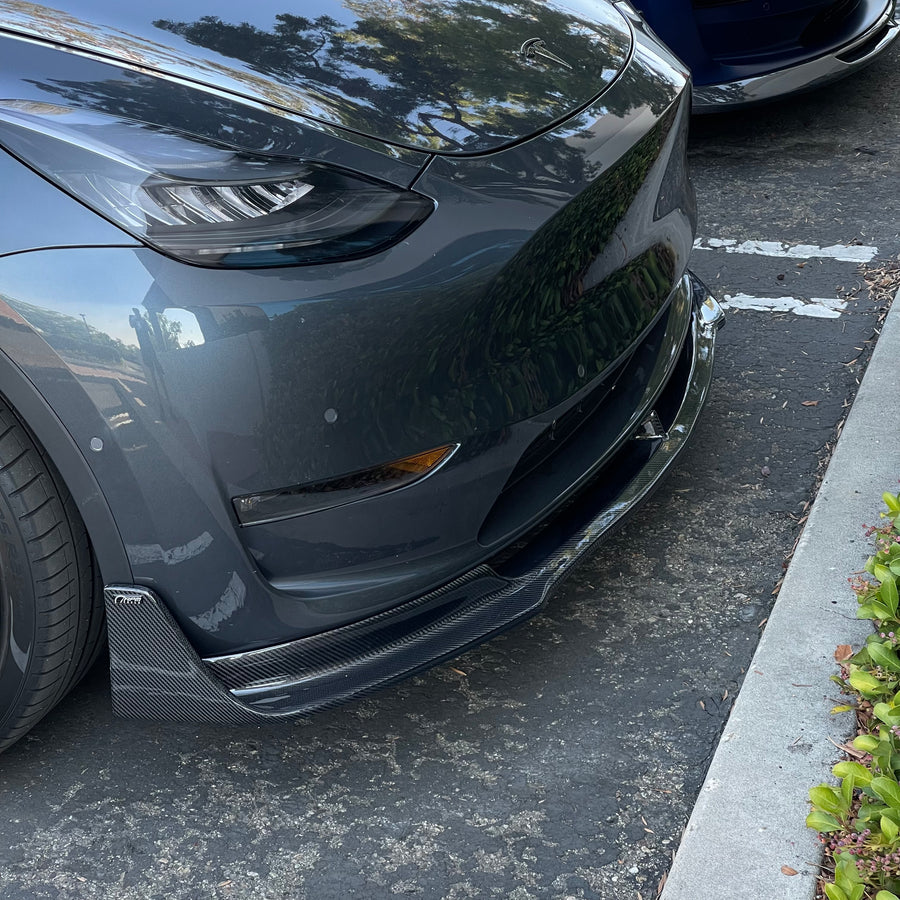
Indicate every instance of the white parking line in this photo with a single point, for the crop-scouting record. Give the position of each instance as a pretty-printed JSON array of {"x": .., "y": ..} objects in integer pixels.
[
  {"x": 817, "y": 307},
  {"x": 858, "y": 253}
]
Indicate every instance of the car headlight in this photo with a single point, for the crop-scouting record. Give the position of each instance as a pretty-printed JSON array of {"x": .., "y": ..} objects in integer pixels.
[{"x": 204, "y": 202}]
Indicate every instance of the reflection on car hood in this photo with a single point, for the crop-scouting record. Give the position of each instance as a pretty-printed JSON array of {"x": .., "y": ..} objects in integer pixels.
[{"x": 448, "y": 76}]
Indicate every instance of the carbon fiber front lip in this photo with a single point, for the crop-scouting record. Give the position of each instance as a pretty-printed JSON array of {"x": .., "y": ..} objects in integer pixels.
[{"x": 156, "y": 673}]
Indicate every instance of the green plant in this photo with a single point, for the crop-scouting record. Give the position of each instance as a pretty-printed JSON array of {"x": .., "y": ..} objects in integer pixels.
[{"x": 859, "y": 819}]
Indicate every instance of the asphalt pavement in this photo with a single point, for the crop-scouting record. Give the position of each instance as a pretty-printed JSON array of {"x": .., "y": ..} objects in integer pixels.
[{"x": 564, "y": 758}]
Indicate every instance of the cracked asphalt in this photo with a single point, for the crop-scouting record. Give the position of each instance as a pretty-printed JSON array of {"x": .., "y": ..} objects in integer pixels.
[{"x": 562, "y": 759}]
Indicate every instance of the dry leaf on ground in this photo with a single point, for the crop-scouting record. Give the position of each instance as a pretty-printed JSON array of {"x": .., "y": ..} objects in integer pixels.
[{"x": 843, "y": 652}]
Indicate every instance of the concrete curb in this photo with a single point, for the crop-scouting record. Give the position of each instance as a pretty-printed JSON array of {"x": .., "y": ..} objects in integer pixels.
[{"x": 748, "y": 821}]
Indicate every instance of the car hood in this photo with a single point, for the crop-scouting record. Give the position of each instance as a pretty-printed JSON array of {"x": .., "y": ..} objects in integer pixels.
[{"x": 446, "y": 76}]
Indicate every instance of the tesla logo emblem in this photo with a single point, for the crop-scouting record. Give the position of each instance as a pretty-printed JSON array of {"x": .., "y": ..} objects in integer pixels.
[{"x": 535, "y": 49}]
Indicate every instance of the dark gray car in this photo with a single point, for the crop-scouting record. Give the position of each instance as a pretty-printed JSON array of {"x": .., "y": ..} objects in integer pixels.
[{"x": 328, "y": 342}]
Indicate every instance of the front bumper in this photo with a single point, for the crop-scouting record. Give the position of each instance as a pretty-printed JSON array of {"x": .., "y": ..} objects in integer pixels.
[
  {"x": 837, "y": 64},
  {"x": 157, "y": 674}
]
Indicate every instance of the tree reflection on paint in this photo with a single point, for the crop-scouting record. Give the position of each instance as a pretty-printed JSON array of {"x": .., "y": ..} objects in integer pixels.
[
  {"x": 449, "y": 70},
  {"x": 504, "y": 344}
]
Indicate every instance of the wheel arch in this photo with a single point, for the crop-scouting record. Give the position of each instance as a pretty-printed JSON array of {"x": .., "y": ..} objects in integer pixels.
[{"x": 65, "y": 455}]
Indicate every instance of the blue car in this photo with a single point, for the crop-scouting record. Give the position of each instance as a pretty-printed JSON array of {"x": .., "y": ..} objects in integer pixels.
[{"x": 746, "y": 51}]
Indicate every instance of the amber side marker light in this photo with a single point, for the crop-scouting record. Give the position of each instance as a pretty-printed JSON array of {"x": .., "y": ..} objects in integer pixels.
[{"x": 314, "y": 496}]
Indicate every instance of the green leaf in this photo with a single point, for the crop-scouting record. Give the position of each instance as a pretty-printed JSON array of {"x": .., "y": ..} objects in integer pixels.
[
  {"x": 827, "y": 798},
  {"x": 866, "y": 742},
  {"x": 887, "y": 789},
  {"x": 857, "y": 892},
  {"x": 886, "y": 713},
  {"x": 892, "y": 814},
  {"x": 873, "y": 610},
  {"x": 865, "y": 683},
  {"x": 846, "y": 871},
  {"x": 846, "y": 707},
  {"x": 870, "y": 811},
  {"x": 822, "y": 821},
  {"x": 881, "y": 760},
  {"x": 882, "y": 655},
  {"x": 891, "y": 502},
  {"x": 833, "y": 892},
  {"x": 895, "y": 564},
  {"x": 886, "y": 895},
  {"x": 888, "y": 592},
  {"x": 848, "y": 785},
  {"x": 882, "y": 573},
  {"x": 889, "y": 828},
  {"x": 848, "y": 768}
]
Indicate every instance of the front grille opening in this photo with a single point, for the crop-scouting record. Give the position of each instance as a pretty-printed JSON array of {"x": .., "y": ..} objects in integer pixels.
[
  {"x": 575, "y": 514},
  {"x": 669, "y": 401},
  {"x": 778, "y": 37},
  {"x": 599, "y": 492},
  {"x": 828, "y": 25},
  {"x": 555, "y": 436},
  {"x": 552, "y": 467}
]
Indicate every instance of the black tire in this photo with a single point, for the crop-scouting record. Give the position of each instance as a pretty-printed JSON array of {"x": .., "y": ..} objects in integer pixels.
[{"x": 51, "y": 607}]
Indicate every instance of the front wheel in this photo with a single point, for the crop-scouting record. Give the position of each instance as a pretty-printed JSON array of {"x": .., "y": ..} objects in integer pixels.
[{"x": 51, "y": 613}]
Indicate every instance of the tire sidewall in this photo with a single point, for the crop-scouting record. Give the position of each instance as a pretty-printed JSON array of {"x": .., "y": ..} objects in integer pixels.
[{"x": 17, "y": 614}]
